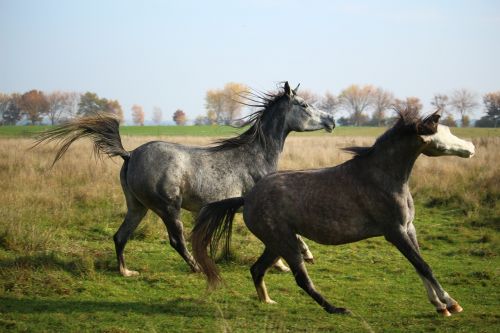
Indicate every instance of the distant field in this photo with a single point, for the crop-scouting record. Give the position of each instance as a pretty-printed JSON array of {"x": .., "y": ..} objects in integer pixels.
[{"x": 218, "y": 131}]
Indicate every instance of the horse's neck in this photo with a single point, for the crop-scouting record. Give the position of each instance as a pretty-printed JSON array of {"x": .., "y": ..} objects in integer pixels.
[
  {"x": 394, "y": 164},
  {"x": 265, "y": 153}
]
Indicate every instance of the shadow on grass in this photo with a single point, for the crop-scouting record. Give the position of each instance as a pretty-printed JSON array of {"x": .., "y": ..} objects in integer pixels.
[
  {"x": 182, "y": 307},
  {"x": 78, "y": 265}
]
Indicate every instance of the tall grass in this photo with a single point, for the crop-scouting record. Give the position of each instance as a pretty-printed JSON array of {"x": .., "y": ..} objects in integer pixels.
[{"x": 39, "y": 201}]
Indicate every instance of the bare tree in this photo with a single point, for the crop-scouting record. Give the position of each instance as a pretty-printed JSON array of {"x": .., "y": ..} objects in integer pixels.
[
  {"x": 463, "y": 102},
  {"x": 329, "y": 102},
  {"x": 355, "y": 100},
  {"x": 310, "y": 97},
  {"x": 382, "y": 100},
  {"x": 59, "y": 102},
  {"x": 157, "y": 115},
  {"x": 137, "y": 115},
  {"x": 440, "y": 101}
]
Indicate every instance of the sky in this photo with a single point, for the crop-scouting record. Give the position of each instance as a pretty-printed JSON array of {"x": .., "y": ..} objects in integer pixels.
[{"x": 169, "y": 53}]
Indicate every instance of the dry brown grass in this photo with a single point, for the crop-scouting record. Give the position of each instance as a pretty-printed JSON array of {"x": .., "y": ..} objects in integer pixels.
[{"x": 37, "y": 202}]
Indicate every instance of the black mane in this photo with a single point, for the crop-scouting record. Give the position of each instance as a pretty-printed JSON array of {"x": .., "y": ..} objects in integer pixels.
[
  {"x": 264, "y": 102},
  {"x": 408, "y": 122}
]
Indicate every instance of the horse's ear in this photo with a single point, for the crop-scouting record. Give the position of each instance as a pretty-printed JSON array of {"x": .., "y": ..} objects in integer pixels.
[
  {"x": 296, "y": 89},
  {"x": 287, "y": 89},
  {"x": 434, "y": 118},
  {"x": 430, "y": 124}
]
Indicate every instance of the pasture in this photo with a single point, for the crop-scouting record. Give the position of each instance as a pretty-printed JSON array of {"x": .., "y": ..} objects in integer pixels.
[{"x": 58, "y": 270}]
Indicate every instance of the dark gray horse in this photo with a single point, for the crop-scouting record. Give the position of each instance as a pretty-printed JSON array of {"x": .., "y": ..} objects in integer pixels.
[
  {"x": 364, "y": 197},
  {"x": 166, "y": 177}
]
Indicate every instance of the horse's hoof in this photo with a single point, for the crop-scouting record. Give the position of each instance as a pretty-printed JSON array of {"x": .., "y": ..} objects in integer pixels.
[
  {"x": 308, "y": 257},
  {"x": 444, "y": 312},
  {"x": 270, "y": 301},
  {"x": 128, "y": 273},
  {"x": 309, "y": 260},
  {"x": 334, "y": 310},
  {"x": 280, "y": 267},
  {"x": 455, "y": 308}
]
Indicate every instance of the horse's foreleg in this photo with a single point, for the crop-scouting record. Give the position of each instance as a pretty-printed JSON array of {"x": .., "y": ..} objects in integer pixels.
[
  {"x": 134, "y": 216},
  {"x": 437, "y": 295},
  {"x": 258, "y": 270},
  {"x": 443, "y": 300}
]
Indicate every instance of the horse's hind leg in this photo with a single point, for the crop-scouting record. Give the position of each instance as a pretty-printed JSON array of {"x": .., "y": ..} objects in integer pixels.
[
  {"x": 135, "y": 214},
  {"x": 304, "y": 249},
  {"x": 258, "y": 270},
  {"x": 169, "y": 213},
  {"x": 290, "y": 251},
  {"x": 306, "y": 254},
  {"x": 449, "y": 304}
]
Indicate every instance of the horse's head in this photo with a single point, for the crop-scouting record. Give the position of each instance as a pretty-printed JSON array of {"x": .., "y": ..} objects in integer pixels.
[
  {"x": 302, "y": 117},
  {"x": 438, "y": 140}
]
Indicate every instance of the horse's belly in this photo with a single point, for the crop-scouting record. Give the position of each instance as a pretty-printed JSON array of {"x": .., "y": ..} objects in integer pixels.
[{"x": 339, "y": 233}]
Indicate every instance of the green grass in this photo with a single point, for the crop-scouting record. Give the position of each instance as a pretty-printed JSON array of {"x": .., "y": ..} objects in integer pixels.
[
  {"x": 217, "y": 131},
  {"x": 54, "y": 290}
]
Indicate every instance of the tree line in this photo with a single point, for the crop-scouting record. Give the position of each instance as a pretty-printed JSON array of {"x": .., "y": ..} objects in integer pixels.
[
  {"x": 59, "y": 106},
  {"x": 361, "y": 105}
]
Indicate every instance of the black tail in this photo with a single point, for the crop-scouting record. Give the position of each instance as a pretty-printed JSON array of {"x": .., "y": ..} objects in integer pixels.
[
  {"x": 102, "y": 128},
  {"x": 214, "y": 222}
]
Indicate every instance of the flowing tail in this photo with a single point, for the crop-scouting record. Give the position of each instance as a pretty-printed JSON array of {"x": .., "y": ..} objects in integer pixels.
[
  {"x": 102, "y": 128},
  {"x": 214, "y": 222}
]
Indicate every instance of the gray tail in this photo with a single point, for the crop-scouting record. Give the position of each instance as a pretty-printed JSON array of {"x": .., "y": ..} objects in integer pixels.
[
  {"x": 214, "y": 222},
  {"x": 101, "y": 128}
]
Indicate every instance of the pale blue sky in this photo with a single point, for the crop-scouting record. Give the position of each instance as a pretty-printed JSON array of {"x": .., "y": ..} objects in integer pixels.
[{"x": 168, "y": 53}]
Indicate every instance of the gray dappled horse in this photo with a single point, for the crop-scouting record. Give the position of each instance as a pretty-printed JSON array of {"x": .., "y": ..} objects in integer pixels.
[
  {"x": 364, "y": 197},
  {"x": 166, "y": 177}
]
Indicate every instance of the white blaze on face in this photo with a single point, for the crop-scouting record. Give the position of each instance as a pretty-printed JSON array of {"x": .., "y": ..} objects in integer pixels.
[{"x": 444, "y": 143}]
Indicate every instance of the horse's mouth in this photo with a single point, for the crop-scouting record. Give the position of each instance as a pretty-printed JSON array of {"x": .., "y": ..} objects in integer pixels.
[{"x": 329, "y": 128}]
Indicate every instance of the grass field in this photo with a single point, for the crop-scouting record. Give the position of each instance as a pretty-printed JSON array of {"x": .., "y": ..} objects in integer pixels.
[
  {"x": 58, "y": 269},
  {"x": 217, "y": 131}
]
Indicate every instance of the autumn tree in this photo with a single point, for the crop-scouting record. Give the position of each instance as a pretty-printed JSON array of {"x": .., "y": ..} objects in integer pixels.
[
  {"x": 90, "y": 103},
  {"x": 463, "y": 102},
  {"x": 137, "y": 115},
  {"x": 225, "y": 105},
  {"x": 114, "y": 107},
  {"x": 382, "y": 100},
  {"x": 411, "y": 104},
  {"x": 34, "y": 106},
  {"x": 329, "y": 102},
  {"x": 179, "y": 117},
  {"x": 356, "y": 100},
  {"x": 157, "y": 115}
]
